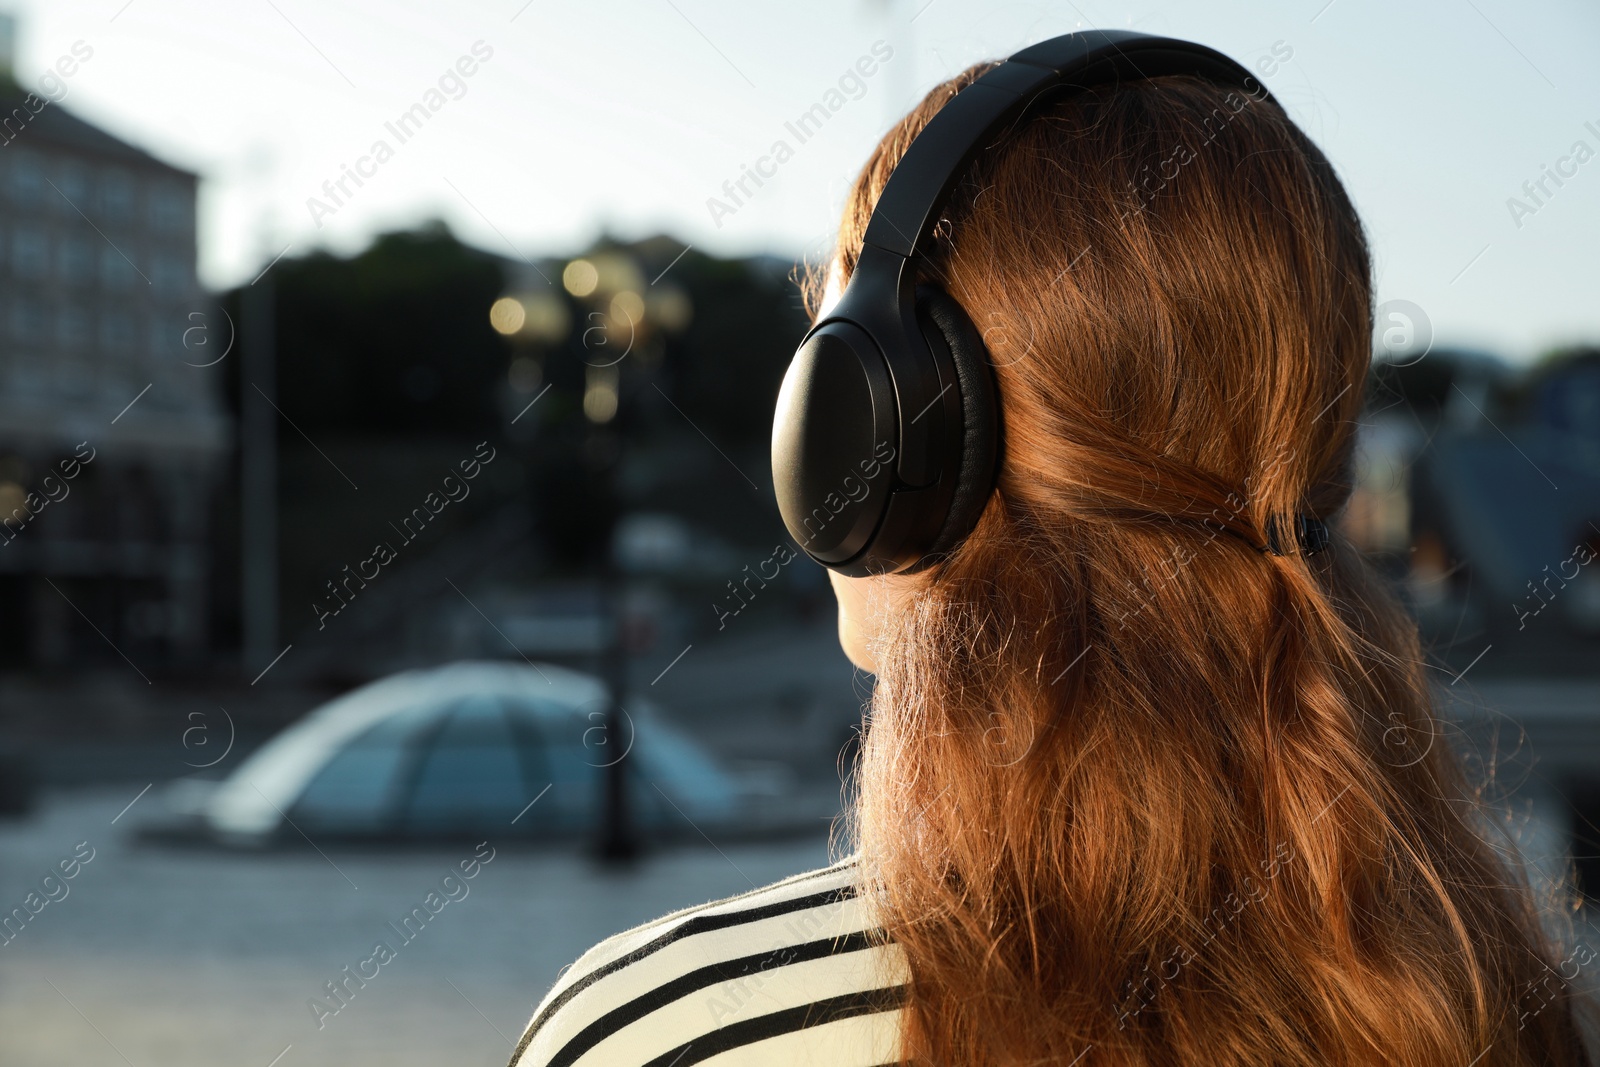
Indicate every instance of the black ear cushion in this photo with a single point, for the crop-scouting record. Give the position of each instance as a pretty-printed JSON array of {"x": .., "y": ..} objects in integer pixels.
[{"x": 945, "y": 323}]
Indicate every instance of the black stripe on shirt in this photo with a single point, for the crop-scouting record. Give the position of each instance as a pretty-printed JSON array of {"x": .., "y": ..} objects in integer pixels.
[
  {"x": 778, "y": 1023},
  {"x": 698, "y": 924},
  {"x": 790, "y": 882},
  {"x": 769, "y": 962}
]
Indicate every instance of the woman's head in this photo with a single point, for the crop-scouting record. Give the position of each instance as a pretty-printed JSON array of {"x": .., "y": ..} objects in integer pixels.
[
  {"x": 1133, "y": 783},
  {"x": 1172, "y": 287}
]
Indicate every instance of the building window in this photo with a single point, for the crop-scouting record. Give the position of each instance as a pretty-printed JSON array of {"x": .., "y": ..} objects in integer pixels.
[
  {"x": 116, "y": 332},
  {"x": 27, "y": 178},
  {"x": 12, "y": 125},
  {"x": 74, "y": 377},
  {"x": 183, "y": 337},
  {"x": 30, "y": 252},
  {"x": 159, "y": 339},
  {"x": 28, "y": 318},
  {"x": 77, "y": 261},
  {"x": 170, "y": 210},
  {"x": 169, "y": 275},
  {"x": 73, "y": 327},
  {"x": 116, "y": 272},
  {"x": 116, "y": 197},
  {"x": 73, "y": 183}
]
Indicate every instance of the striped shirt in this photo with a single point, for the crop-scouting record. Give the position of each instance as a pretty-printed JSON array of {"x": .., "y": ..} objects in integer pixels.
[{"x": 791, "y": 973}]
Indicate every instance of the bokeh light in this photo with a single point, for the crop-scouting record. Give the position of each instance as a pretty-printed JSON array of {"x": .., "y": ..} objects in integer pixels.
[
  {"x": 580, "y": 278},
  {"x": 507, "y": 315}
]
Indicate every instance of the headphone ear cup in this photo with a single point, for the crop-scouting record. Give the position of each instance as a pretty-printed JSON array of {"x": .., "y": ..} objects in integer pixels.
[{"x": 945, "y": 324}]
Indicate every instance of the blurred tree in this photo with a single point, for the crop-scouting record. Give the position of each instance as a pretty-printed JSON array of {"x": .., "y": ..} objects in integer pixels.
[
  {"x": 393, "y": 341},
  {"x": 1432, "y": 384},
  {"x": 720, "y": 373},
  {"x": 388, "y": 361},
  {"x": 747, "y": 322}
]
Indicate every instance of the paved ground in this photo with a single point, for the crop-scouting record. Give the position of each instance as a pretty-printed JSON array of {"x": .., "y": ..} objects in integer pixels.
[
  {"x": 161, "y": 956},
  {"x": 166, "y": 957}
]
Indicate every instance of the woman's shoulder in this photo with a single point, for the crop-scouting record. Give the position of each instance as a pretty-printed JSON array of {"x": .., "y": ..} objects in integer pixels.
[{"x": 789, "y": 973}]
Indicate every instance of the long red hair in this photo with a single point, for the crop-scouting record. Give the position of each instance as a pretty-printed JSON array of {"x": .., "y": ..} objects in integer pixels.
[{"x": 1133, "y": 789}]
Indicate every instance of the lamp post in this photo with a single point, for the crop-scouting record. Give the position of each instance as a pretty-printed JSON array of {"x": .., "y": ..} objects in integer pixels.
[
  {"x": 258, "y": 481},
  {"x": 608, "y": 337},
  {"x": 619, "y": 318},
  {"x": 618, "y": 844}
]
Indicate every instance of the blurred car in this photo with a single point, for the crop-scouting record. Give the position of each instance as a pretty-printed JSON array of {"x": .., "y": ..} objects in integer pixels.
[{"x": 469, "y": 749}]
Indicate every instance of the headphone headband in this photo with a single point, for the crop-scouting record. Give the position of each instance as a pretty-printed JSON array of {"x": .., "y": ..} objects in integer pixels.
[
  {"x": 887, "y": 434},
  {"x": 909, "y": 206}
]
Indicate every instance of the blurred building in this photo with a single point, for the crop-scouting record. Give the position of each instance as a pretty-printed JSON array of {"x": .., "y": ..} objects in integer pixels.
[
  {"x": 1479, "y": 489},
  {"x": 112, "y": 430}
]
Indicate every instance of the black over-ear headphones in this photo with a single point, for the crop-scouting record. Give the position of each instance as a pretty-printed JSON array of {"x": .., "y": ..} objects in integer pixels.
[{"x": 887, "y": 434}]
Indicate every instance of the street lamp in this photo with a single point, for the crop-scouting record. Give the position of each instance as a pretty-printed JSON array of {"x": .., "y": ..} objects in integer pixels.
[
  {"x": 619, "y": 319},
  {"x": 621, "y": 323}
]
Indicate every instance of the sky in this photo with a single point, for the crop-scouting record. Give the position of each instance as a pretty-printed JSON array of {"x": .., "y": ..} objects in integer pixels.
[{"x": 628, "y": 117}]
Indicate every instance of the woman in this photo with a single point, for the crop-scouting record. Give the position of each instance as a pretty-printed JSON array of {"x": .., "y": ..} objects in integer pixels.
[{"x": 1152, "y": 773}]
